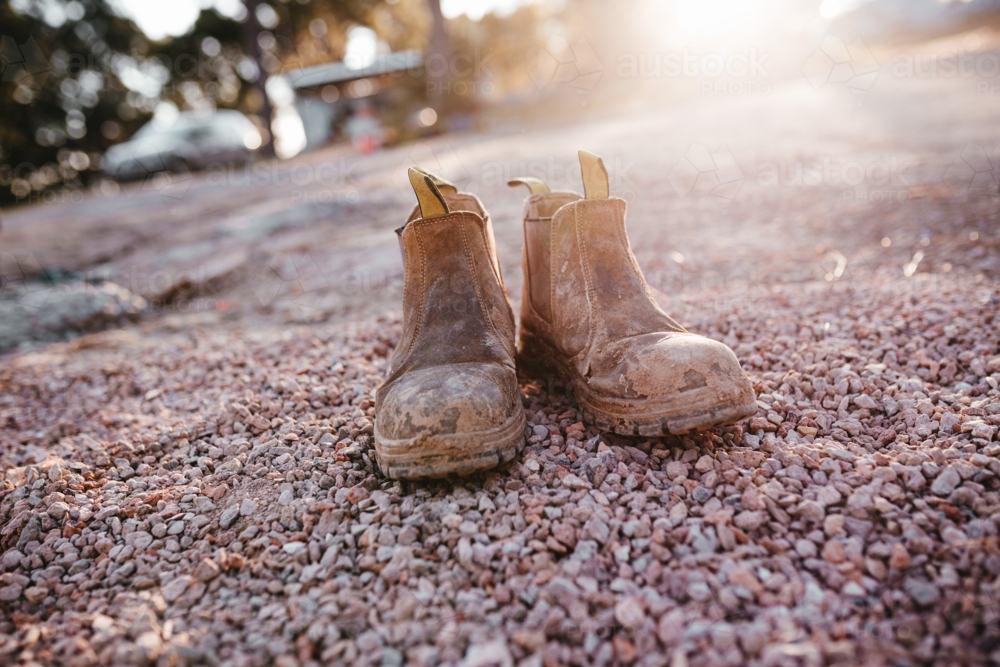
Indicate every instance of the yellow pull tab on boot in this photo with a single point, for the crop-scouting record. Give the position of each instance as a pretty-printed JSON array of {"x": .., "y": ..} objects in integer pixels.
[
  {"x": 441, "y": 184},
  {"x": 595, "y": 176},
  {"x": 535, "y": 185},
  {"x": 428, "y": 196}
]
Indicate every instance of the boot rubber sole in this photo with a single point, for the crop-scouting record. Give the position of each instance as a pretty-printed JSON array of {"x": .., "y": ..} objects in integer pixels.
[
  {"x": 431, "y": 456},
  {"x": 695, "y": 410}
]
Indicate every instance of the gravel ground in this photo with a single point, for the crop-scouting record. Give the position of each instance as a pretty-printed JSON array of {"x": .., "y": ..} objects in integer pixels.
[
  {"x": 200, "y": 488},
  {"x": 213, "y": 499}
]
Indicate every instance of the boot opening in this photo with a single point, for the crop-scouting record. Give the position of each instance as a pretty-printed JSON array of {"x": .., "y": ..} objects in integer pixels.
[
  {"x": 544, "y": 205},
  {"x": 457, "y": 201}
]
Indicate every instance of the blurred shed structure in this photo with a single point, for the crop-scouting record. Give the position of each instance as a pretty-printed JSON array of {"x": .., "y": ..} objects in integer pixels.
[{"x": 326, "y": 94}]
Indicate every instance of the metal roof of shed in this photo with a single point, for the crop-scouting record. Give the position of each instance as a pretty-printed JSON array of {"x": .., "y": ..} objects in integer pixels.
[{"x": 319, "y": 75}]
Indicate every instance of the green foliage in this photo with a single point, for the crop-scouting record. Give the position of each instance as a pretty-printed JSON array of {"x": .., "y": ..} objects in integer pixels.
[
  {"x": 71, "y": 88},
  {"x": 58, "y": 85},
  {"x": 70, "y": 91}
]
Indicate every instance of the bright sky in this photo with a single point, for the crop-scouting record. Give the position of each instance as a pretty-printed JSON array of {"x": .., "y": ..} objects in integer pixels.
[
  {"x": 476, "y": 9},
  {"x": 159, "y": 18}
]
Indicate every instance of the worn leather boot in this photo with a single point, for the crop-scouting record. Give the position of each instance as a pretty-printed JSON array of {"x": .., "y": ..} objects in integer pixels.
[
  {"x": 451, "y": 403},
  {"x": 589, "y": 318}
]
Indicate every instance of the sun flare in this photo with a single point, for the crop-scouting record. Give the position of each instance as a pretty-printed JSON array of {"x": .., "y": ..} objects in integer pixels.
[{"x": 709, "y": 17}]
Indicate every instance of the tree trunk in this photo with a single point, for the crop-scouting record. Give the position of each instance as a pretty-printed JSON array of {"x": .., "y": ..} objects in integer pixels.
[
  {"x": 251, "y": 29},
  {"x": 438, "y": 60}
]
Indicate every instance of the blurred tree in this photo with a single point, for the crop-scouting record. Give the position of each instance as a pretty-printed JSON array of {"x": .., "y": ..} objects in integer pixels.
[
  {"x": 253, "y": 37},
  {"x": 77, "y": 77},
  {"x": 498, "y": 49},
  {"x": 438, "y": 55},
  {"x": 61, "y": 84}
]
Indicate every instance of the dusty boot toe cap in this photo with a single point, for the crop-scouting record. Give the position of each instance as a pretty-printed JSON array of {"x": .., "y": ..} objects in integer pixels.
[
  {"x": 662, "y": 365},
  {"x": 447, "y": 400}
]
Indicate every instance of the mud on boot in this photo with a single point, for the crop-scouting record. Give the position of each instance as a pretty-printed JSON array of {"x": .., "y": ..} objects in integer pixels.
[
  {"x": 588, "y": 316},
  {"x": 451, "y": 403}
]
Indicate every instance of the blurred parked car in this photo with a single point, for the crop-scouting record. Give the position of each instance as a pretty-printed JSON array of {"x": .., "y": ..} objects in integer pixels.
[{"x": 191, "y": 141}]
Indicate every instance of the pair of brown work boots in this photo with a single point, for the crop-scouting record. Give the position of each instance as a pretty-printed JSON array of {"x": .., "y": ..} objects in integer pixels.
[{"x": 451, "y": 403}]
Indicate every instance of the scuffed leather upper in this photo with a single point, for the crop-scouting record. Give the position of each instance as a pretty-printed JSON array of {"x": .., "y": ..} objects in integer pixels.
[
  {"x": 453, "y": 369},
  {"x": 599, "y": 313}
]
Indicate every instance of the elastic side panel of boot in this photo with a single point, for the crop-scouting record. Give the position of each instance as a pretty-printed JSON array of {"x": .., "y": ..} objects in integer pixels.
[
  {"x": 538, "y": 243},
  {"x": 619, "y": 290},
  {"x": 539, "y": 209}
]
